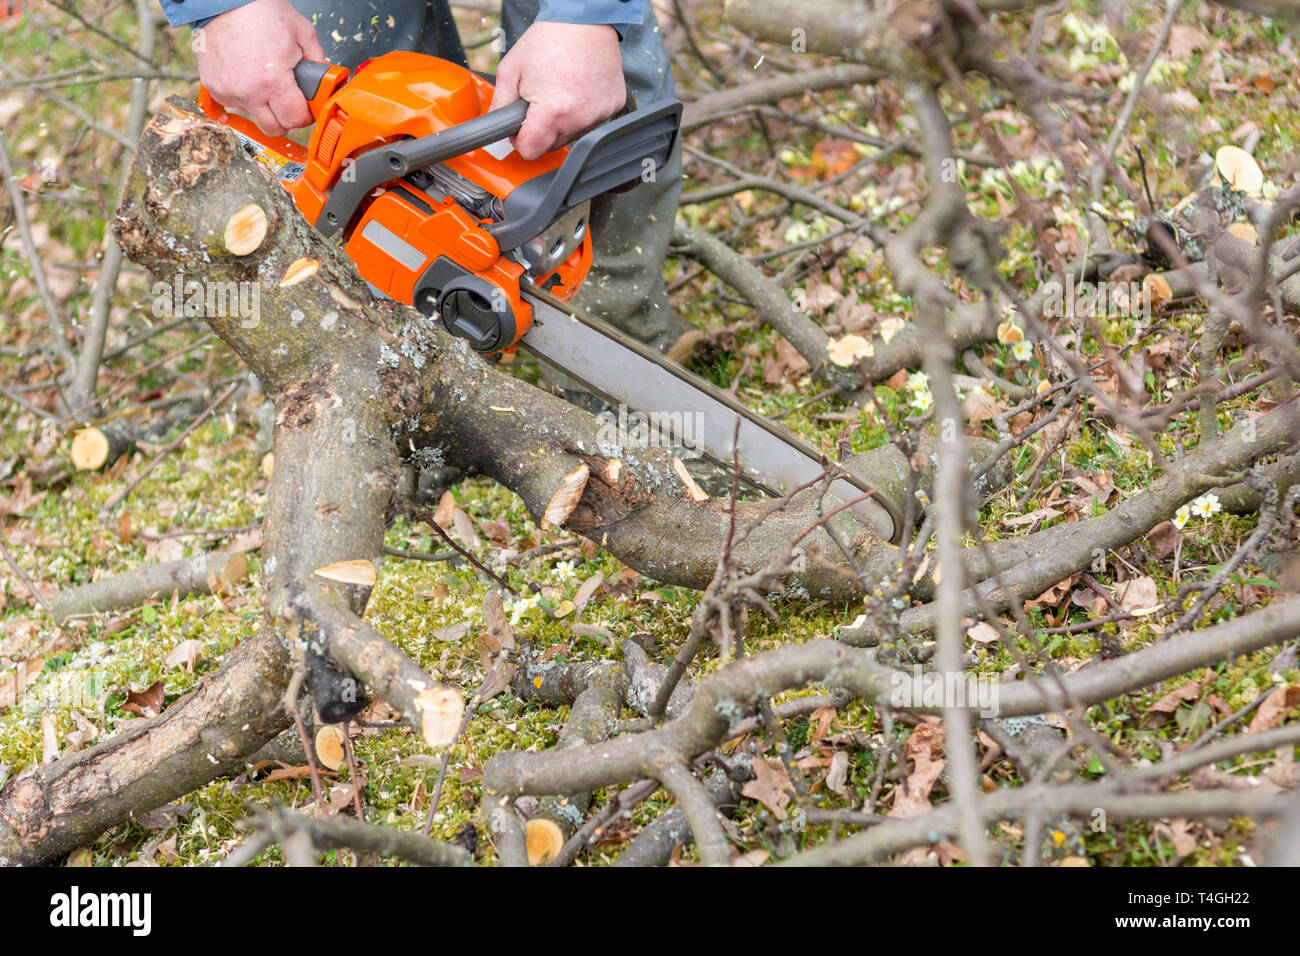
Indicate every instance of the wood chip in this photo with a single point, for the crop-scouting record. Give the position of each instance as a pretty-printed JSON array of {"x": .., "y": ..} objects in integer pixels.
[
  {"x": 300, "y": 270},
  {"x": 696, "y": 493},
  {"x": 245, "y": 230},
  {"x": 343, "y": 300},
  {"x": 360, "y": 572},
  {"x": 847, "y": 350},
  {"x": 566, "y": 498}
]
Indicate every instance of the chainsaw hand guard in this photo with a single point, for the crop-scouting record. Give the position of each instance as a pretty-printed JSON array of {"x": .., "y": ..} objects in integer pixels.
[{"x": 630, "y": 148}]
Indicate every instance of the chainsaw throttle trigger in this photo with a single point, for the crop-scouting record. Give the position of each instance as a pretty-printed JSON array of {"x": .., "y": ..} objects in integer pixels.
[{"x": 378, "y": 166}]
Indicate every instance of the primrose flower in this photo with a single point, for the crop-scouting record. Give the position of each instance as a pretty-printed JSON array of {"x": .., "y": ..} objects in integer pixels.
[
  {"x": 1206, "y": 506},
  {"x": 565, "y": 569},
  {"x": 922, "y": 400},
  {"x": 918, "y": 381},
  {"x": 522, "y": 606},
  {"x": 1023, "y": 350},
  {"x": 1182, "y": 516}
]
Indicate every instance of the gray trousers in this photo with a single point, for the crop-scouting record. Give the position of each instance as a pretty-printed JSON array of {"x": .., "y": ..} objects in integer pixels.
[{"x": 631, "y": 230}]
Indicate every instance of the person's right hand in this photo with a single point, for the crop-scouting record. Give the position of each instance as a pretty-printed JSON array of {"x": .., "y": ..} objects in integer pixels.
[{"x": 246, "y": 59}]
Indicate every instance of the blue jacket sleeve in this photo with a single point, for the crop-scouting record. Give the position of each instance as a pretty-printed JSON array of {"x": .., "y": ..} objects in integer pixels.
[
  {"x": 616, "y": 13},
  {"x": 196, "y": 12}
]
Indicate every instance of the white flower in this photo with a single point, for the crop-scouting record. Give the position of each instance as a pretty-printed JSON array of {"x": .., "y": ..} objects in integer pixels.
[
  {"x": 923, "y": 400},
  {"x": 565, "y": 569},
  {"x": 1206, "y": 506},
  {"x": 797, "y": 232},
  {"x": 1182, "y": 516},
  {"x": 518, "y": 608},
  {"x": 918, "y": 381},
  {"x": 1023, "y": 350}
]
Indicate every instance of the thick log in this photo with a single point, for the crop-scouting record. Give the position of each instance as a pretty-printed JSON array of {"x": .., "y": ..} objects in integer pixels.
[
  {"x": 329, "y": 497},
  {"x": 54, "y": 809}
]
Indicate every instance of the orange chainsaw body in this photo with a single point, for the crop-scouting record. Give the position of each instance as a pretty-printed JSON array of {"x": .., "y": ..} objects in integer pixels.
[{"x": 401, "y": 229}]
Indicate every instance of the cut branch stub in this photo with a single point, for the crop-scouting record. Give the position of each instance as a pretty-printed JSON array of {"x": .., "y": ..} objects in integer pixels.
[
  {"x": 441, "y": 710},
  {"x": 1156, "y": 289},
  {"x": 566, "y": 498},
  {"x": 329, "y": 746},
  {"x": 246, "y": 229},
  {"x": 1238, "y": 170},
  {"x": 93, "y": 448},
  {"x": 846, "y": 351},
  {"x": 544, "y": 840}
]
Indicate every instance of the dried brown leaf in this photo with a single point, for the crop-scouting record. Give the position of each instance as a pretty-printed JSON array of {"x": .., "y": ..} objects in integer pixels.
[
  {"x": 185, "y": 655},
  {"x": 770, "y": 786},
  {"x": 588, "y": 588},
  {"x": 147, "y": 702}
]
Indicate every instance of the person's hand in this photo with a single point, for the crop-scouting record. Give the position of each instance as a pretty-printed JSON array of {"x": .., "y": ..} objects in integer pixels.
[
  {"x": 571, "y": 74},
  {"x": 246, "y": 60}
]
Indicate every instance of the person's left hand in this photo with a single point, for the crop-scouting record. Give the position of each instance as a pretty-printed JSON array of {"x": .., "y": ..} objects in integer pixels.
[{"x": 571, "y": 74}]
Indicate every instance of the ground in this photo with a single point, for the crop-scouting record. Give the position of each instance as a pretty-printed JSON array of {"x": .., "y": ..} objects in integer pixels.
[{"x": 1223, "y": 77}]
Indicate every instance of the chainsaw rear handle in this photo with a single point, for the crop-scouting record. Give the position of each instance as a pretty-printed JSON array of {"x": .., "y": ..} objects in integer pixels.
[
  {"x": 317, "y": 82},
  {"x": 378, "y": 166}
]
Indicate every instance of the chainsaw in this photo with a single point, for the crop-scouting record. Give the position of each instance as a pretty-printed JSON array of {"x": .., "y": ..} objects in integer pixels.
[{"x": 409, "y": 169}]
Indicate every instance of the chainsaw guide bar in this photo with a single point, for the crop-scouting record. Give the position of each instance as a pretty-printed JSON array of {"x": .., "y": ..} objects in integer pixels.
[{"x": 694, "y": 413}]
